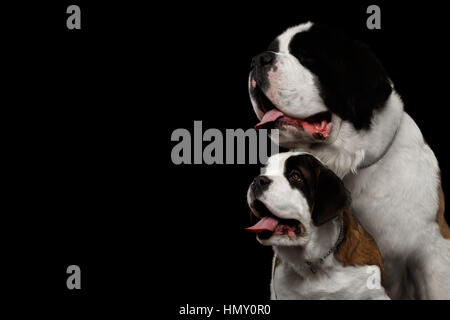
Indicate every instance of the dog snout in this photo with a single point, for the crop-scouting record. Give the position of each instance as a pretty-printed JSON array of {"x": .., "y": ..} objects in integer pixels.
[
  {"x": 263, "y": 59},
  {"x": 260, "y": 184}
]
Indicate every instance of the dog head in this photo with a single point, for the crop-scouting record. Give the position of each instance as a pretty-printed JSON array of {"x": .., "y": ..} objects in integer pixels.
[
  {"x": 310, "y": 79},
  {"x": 296, "y": 195}
]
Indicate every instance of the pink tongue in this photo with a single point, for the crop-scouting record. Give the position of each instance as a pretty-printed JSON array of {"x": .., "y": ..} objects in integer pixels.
[
  {"x": 270, "y": 116},
  {"x": 266, "y": 223}
]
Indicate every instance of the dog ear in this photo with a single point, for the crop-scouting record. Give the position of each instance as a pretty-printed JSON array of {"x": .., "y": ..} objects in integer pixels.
[
  {"x": 368, "y": 85},
  {"x": 331, "y": 196},
  {"x": 356, "y": 85},
  {"x": 353, "y": 83}
]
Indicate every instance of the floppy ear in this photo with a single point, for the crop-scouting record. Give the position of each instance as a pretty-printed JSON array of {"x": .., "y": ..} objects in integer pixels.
[
  {"x": 331, "y": 197},
  {"x": 353, "y": 82},
  {"x": 368, "y": 85}
]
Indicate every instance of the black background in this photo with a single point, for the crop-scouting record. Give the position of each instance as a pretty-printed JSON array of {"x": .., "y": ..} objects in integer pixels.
[{"x": 94, "y": 110}]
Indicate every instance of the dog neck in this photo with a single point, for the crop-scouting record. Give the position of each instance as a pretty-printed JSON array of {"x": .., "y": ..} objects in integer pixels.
[
  {"x": 323, "y": 239},
  {"x": 385, "y": 126},
  {"x": 357, "y": 248},
  {"x": 351, "y": 150}
]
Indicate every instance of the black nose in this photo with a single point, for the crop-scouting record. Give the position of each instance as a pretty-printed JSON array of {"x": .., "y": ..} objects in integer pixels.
[
  {"x": 263, "y": 59},
  {"x": 260, "y": 184}
]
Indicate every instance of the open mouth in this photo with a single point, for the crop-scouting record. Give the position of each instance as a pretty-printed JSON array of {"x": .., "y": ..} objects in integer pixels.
[
  {"x": 270, "y": 225},
  {"x": 318, "y": 125}
]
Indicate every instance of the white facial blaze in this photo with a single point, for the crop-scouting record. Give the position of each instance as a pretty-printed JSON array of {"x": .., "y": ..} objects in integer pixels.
[
  {"x": 287, "y": 202},
  {"x": 285, "y": 38}
]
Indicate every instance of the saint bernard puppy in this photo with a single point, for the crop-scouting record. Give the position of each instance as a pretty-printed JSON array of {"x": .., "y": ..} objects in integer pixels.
[
  {"x": 331, "y": 97},
  {"x": 321, "y": 251}
]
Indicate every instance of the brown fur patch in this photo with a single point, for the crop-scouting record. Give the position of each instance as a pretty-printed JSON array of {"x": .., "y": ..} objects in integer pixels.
[
  {"x": 358, "y": 247},
  {"x": 445, "y": 230}
]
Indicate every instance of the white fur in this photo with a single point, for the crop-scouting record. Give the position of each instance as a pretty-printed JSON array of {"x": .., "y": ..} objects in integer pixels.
[
  {"x": 331, "y": 282},
  {"x": 395, "y": 199},
  {"x": 293, "y": 89}
]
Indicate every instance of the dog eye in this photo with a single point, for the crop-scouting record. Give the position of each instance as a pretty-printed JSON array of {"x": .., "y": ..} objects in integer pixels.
[{"x": 295, "y": 177}]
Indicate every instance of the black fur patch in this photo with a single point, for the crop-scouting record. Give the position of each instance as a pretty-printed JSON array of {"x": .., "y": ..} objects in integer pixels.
[
  {"x": 352, "y": 81},
  {"x": 304, "y": 164}
]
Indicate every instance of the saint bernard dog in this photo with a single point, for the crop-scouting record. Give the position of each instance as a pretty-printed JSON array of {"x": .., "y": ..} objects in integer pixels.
[
  {"x": 330, "y": 96},
  {"x": 321, "y": 251}
]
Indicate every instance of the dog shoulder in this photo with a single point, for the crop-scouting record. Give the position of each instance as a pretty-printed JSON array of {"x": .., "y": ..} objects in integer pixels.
[{"x": 358, "y": 247}]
